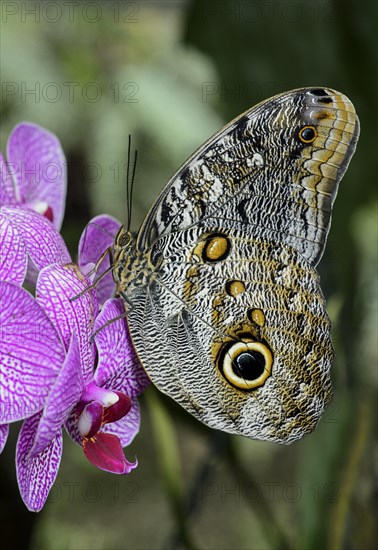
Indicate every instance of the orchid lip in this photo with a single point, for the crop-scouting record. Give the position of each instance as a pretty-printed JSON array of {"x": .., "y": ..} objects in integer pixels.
[
  {"x": 105, "y": 452},
  {"x": 41, "y": 207},
  {"x": 49, "y": 214},
  {"x": 90, "y": 419},
  {"x": 107, "y": 398}
]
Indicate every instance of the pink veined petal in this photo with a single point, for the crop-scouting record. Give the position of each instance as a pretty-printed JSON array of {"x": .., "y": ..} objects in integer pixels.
[
  {"x": 44, "y": 245},
  {"x": 97, "y": 236},
  {"x": 72, "y": 428},
  {"x": 36, "y": 475},
  {"x": 56, "y": 285},
  {"x": 38, "y": 167},
  {"x": 105, "y": 452},
  {"x": 127, "y": 427},
  {"x": 4, "y": 430},
  {"x": 118, "y": 365},
  {"x": 31, "y": 354},
  {"x": 7, "y": 189},
  {"x": 64, "y": 394},
  {"x": 13, "y": 258}
]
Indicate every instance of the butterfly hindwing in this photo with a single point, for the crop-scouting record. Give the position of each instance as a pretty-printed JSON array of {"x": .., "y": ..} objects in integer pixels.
[{"x": 218, "y": 296}]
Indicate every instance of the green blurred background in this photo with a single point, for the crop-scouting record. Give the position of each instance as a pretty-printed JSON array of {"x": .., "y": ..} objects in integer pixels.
[{"x": 170, "y": 74}]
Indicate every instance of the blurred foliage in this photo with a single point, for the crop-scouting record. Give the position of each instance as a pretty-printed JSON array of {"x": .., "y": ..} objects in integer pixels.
[{"x": 170, "y": 74}]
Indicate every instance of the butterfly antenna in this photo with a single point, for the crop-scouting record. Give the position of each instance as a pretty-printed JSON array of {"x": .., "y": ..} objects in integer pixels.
[
  {"x": 128, "y": 205},
  {"x": 132, "y": 188}
]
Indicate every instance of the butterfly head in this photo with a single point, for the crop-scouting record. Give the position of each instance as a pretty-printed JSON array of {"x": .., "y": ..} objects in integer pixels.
[
  {"x": 123, "y": 253},
  {"x": 132, "y": 268}
]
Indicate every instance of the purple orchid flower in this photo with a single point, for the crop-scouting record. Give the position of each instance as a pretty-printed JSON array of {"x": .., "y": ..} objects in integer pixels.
[
  {"x": 97, "y": 237},
  {"x": 98, "y": 405},
  {"x": 31, "y": 355},
  {"x": 32, "y": 200},
  {"x": 35, "y": 174}
]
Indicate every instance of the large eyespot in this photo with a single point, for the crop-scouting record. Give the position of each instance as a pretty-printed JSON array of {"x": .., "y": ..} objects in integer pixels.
[
  {"x": 246, "y": 365},
  {"x": 307, "y": 134}
]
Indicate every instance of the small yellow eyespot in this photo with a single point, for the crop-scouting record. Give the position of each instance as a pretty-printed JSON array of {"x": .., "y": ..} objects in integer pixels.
[
  {"x": 307, "y": 134},
  {"x": 246, "y": 365},
  {"x": 216, "y": 248},
  {"x": 234, "y": 288},
  {"x": 256, "y": 316}
]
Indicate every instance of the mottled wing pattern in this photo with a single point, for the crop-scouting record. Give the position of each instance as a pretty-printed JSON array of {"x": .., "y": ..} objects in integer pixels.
[
  {"x": 259, "y": 173},
  {"x": 195, "y": 311},
  {"x": 227, "y": 314}
]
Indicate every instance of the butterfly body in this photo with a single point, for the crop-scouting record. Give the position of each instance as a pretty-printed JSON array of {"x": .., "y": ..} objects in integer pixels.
[{"x": 227, "y": 315}]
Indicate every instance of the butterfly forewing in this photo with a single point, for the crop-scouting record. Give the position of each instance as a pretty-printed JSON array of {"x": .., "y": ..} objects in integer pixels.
[{"x": 275, "y": 170}]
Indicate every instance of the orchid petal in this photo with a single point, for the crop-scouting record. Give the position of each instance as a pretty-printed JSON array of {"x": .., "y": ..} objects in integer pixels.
[
  {"x": 4, "y": 430},
  {"x": 105, "y": 451},
  {"x": 56, "y": 285},
  {"x": 36, "y": 475},
  {"x": 127, "y": 427},
  {"x": 118, "y": 365},
  {"x": 64, "y": 394},
  {"x": 72, "y": 427},
  {"x": 98, "y": 235},
  {"x": 31, "y": 354},
  {"x": 38, "y": 166},
  {"x": 7, "y": 189},
  {"x": 43, "y": 243},
  {"x": 13, "y": 258}
]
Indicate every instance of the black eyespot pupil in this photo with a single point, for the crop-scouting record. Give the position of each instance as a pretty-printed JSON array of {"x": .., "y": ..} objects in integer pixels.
[
  {"x": 308, "y": 134},
  {"x": 249, "y": 365}
]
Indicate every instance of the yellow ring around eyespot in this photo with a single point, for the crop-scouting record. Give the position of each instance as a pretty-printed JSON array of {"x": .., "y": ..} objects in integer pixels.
[
  {"x": 236, "y": 350},
  {"x": 312, "y": 139}
]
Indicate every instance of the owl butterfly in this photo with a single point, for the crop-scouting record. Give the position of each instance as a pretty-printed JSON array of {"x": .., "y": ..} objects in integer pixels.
[{"x": 227, "y": 315}]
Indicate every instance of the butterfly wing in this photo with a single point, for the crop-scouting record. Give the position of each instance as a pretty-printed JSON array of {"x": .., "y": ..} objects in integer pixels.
[
  {"x": 275, "y": 170},
  {"x": 229, "y": 318},
  {"x": 242, "y": 343}
]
